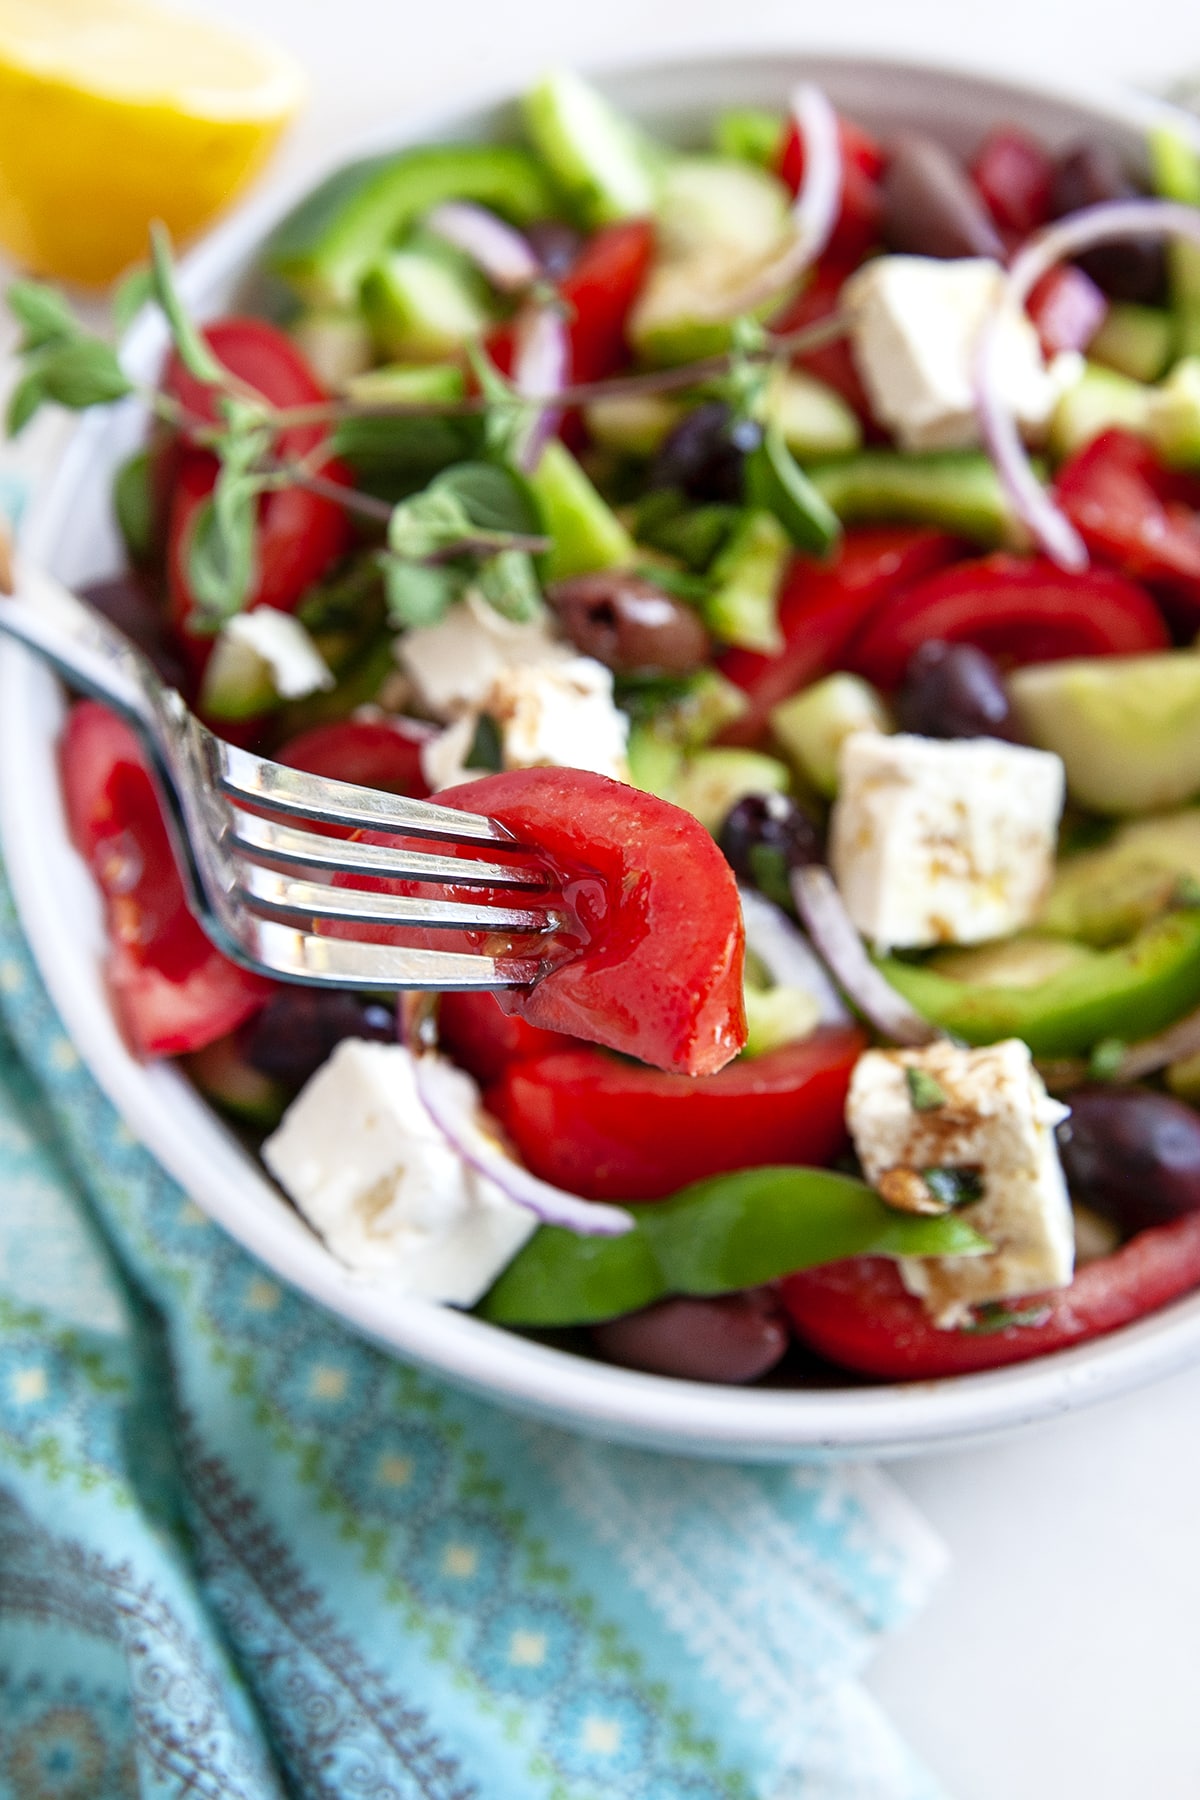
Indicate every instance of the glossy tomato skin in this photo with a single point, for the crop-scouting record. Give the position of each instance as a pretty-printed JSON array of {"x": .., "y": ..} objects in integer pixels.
[
  {"x": 598, "y": 293},
  {"x": 1138, "y": 515},
  {"x": 661, "y": 978},
  {"x": 299, "y": 534},
  {"x": 1015, "y": 176},
  {"x": 860, "y": 210},
  {"x": 832, "y": 363},
  {"x": 822, "y": 606},
  {"x": 484, "y": 1039},
  {"x": 858, "y": 1314},
  {"x": 1018, "y": 609},
  {"x": 174, "y": 991},
  {"x": 612, "y": 1131},
  {"x": 384, "y": 754}
]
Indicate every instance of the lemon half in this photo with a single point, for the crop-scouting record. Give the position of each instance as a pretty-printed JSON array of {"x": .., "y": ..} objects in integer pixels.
[{"x": 117, "y": 112}]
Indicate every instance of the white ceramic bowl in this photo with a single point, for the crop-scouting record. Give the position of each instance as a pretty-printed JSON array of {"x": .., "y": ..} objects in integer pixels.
[{"x": 71, "y": 531}]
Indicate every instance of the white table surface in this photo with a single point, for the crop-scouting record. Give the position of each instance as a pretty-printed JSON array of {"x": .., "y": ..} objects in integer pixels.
[{"x": 1060, "y": 1657}]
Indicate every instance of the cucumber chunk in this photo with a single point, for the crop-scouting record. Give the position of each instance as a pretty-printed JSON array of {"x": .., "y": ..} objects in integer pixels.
[
  {"x": 812, "y": 726},
  {"x": 1174, "y": 416},
  {"x": 585, "y": 532},
  {"x": 1134, "y": 340},
  {"x": 743, "y": 607},
  {"x": 713, "y": 781},
  {"x": 422, "y": 306},
  {"x": 1103, "y": 896},
  {"x": 1099, "y": 400},
  {"x": 956, "y": 489},
  {"x": 599, "y": 159}
]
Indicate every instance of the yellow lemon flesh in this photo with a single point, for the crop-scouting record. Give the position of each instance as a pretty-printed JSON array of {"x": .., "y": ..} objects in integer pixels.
[{"x": 117, "y": 112}]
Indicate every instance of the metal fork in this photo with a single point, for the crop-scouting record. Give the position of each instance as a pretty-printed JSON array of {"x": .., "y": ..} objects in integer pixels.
[{"x": 257, "y": 879}]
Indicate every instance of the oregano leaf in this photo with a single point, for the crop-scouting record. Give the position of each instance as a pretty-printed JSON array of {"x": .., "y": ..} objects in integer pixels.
[
  {"x": 132, "y": 293},
  {"x": 421, "y": 593},
  {"x": 194, "y": 353},
  {"x": 509, "y": 585},
  {"x": 84, "y": 372},
  {"x": 46, "y": 317},
  {"x": 26, "y": 399}
]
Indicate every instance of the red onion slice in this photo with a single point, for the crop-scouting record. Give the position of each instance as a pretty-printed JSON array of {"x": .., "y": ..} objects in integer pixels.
[
  {"x": 452, "y": 1101},
  {"x": 1110, "y": 222},
  {"x": 833, "y": 933},
  {"x": 540, "y": 369},
  {"x": 496, "y": 249},
  {"x": 788, "y": 956},
  {"x": 815, "y": 209}
]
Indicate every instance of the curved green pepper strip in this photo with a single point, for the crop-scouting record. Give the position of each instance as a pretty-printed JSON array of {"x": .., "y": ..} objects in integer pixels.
[
  {"x": 730, "y": 1232},
  {"x": 1126, "y": 993},
  {"x": 324, "y": 247}
]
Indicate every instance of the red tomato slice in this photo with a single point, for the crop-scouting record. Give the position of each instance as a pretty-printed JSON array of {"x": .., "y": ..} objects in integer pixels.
[
  {"x": 860, "y": 212},
  {"x": 611, "y": 1131},
  {"x": 372, "y": 753},
  {"x": 833, "y": 364},
  {"x": 485, "y": 1039},
  {"x": 1137, "y": 514},
  {"x": 173, "y": 989},
  {"x": 820, "y": 609},
  {"x": 1018, "y": 609},
  {"x": 299, "y": 534},
  {"x": 858, "y": 1314},
  {"x": 661, "y": 977},
  {"x": 1015, "y": 175}
]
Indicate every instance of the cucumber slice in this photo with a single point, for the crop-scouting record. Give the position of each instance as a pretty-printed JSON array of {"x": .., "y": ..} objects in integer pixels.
[
  {"x": 422, "y": 306},
  {"x": 778, "y": 1015},
  {"x": 599, "y": 159},
  {"x": 815, "y": 421},
  {"x": 1175, "y": 166},
  {"x": 1099, "y": 400},
  {"x": 336, "y": 345},
  {"x": 585, "y": 532},
  {"x": 743, "y": 608},
  {"x": 1174, "y": 416},
  {"x": 713, "y": 781},
  {"x": 1104, "y": 896},
  {"x": 325, "y": 247},
  {"x": 1127, "y": 728},
  {"x": 633, "y": 424},
  {"x": 1134, "y": 340},
  {"x": 956, "y": 489},
  {"x": 260, "y": 658},
  {"x": 749, "y": 133},
  {"x": 416, "y": 383},
  {"x": 812, "y": 726},
  {"x": 1021, "y": 962}
]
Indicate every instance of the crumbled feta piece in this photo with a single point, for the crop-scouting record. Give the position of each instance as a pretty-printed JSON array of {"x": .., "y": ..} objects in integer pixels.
[
  {"x": 915, "y": 327},
  {"x": 455, "y": 664},
  {"x": 564, "y": 716},
  {"x": 362, "y": 1159},
  {"x": 943, "y": 841},
  {"x": 291, "y": 661},
  {"x": 996, "y": 1119}
]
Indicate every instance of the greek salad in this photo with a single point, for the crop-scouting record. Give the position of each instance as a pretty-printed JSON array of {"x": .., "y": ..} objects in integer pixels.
[{"x": 797, "y": 537}]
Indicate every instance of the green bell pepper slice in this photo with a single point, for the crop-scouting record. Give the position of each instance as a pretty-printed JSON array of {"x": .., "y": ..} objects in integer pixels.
[
  {"x": 1127, "y": 993},
  {"x": 715, "y": 1237},
  {"x": 325, "y": 246}
]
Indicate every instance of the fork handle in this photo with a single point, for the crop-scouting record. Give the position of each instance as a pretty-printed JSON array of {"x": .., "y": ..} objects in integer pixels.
[{"x": 81, "y": 644}]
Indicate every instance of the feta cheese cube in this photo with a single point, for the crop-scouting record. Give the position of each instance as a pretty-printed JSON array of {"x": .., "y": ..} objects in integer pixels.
[
  {"x": 563, "y": 715},
  {"x": 455, "y": 664},
  {"x": 915, "y": 327},
  {"x": 279, "y": 643},
  {"x": 943, "y": 841},
  {"x": 362, "y": 1159},
  {"x": 996, "y": 1119}
]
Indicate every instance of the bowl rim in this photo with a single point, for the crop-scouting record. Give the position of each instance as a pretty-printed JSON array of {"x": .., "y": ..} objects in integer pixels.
[{"x": 185, "y": 1137}]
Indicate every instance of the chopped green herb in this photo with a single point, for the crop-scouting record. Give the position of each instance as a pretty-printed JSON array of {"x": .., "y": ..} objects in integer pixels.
[
  {"x": 487, "y": 751},
  {"x": 1104, "y": 1063},
  {"x": 994, "y": 1316},
  {"x": 924, "y": 1090},
  {"x": 954, "y": 1187}
]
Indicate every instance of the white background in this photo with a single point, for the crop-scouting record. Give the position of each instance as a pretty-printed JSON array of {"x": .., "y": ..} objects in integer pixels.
[{"x": 1060, "y": 1659}]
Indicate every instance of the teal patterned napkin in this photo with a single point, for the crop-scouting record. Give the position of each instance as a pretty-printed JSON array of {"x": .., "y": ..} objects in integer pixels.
[{"x": 244, "y": 1555}]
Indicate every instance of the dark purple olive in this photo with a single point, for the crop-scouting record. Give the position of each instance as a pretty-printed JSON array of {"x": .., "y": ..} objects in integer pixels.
[
  {"x": 705, "y": 455},
  {"x": 729, "y": 1338},
  {"x": 930, "y": 205},
  {"x": 299, "y": 1028},
  {"x": 127, "y": 601},
  {"x": 1131, "y": 1155},
  {"x": 555, "y": 245},
  {"x": 954, "y": 691},
  {"x": 630, "y": 625},
  {"x": 1086, "y": 176},
  {"x": 770, "y": 823}
]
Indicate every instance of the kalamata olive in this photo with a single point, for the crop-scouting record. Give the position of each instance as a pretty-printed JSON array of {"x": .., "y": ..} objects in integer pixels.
[
  {"x": 730, "y": 1337},
  {"x": 1086, "y": 176},
  {"x": 299, "y": 1028},
  {"x": 705, "y": 454},
  {"x": 555, "y": 244},
  {"x": 953, "y": 691},
  {"x": 127, "y": 601},
  {"x": 770, "y": 822},
  {"x": 630, "y": 624},
  {"x": 1131, "y": 1155},
  {"x": 930, "y": 205}
]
